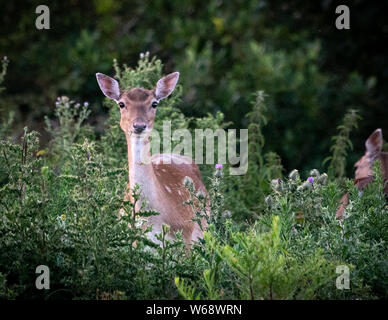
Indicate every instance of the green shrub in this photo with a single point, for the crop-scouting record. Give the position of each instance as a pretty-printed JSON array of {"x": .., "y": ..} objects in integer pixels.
[{"x": 61, "y": 207}]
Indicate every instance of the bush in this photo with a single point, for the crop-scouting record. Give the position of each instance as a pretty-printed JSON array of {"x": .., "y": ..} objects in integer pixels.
[{"x": 60, "y": 207}]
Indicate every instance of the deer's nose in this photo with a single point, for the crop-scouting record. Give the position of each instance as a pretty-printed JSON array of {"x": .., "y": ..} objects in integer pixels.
[{"x": 139, "y": 127}]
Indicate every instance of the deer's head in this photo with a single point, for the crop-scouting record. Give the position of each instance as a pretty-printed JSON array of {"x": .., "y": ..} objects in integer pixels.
[
  {"x": 138, "y": 105},
  {"x": 373, "y": 146}
]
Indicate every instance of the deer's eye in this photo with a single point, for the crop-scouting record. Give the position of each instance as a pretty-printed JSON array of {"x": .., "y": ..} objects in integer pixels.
[
  {"x": 121, "y": 105},
  {"x": 154, "y": 104}
]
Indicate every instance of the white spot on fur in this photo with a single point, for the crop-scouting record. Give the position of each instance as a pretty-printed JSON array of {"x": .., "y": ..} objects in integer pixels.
[
  {"x": 168, "y": 189},
  {"x": 121, "y": 212}
]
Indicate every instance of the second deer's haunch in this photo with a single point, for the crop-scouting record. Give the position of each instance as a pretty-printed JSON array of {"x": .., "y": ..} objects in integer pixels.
[
  {"x": 364, "y": 174},
  {"x": 161, "y": 179}
]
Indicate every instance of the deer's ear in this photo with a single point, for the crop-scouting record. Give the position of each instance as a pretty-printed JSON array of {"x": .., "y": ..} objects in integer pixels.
[
  {"x": 374, "y": 143},
  {"x": 166, "y": 85},
  {"x": 109, "y": 86}
]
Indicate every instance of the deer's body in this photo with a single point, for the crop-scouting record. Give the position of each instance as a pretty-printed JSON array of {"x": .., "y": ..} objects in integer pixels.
[
  {"x": 160, "y": 176},
  {"x": 364, "y": 173},
  {"x": 161, "y": 185}
]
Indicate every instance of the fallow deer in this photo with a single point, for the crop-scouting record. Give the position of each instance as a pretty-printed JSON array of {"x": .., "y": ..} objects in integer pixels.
[
  {"x": 161, "y": 179},
  {"x": 364, "y": 174}
]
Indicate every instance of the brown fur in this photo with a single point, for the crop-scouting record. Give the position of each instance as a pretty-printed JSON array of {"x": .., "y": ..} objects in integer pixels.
[
  {"x": 170, "y": 178},
  {"x": 138, "y": 94},
  {"x": 364, "y": 174}
]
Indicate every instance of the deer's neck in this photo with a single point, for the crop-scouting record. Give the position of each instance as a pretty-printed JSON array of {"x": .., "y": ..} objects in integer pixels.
[{"x": 139, "y": 162}]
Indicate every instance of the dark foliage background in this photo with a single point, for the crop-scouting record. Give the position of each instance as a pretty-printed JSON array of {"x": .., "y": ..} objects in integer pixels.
[
  {"x": 225, "y": 51},
  {"x": 306, "y": 91}
]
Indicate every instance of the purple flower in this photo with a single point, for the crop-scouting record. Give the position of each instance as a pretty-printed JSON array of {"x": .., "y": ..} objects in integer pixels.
[
  {"x": 86, "y": 103},
  {"x": 58, "y": 98},
  {"x": 219, "y": 166},
  {"x": 57, "y": 103},
  {"x": 5, "y": 57},
  {"x": 310, "y": 179}
]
